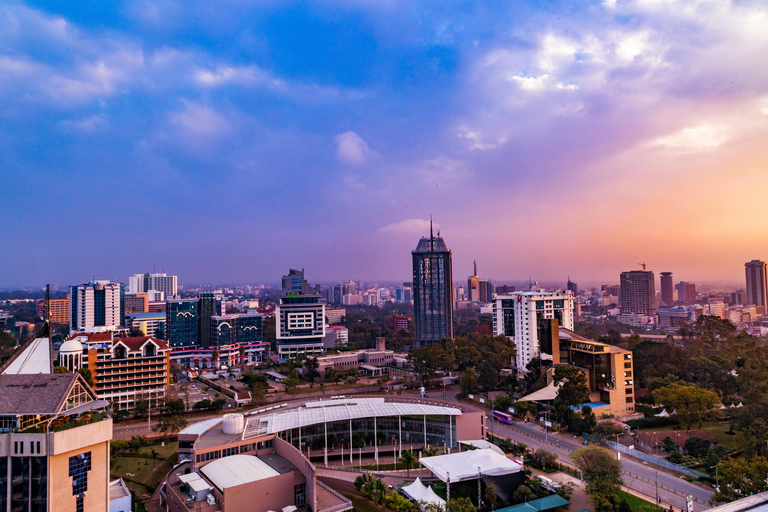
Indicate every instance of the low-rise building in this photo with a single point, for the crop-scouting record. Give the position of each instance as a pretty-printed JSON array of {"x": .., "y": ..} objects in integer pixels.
[
  {"x": 124, "y": 370},
  {"x": 336, "y": 336},
  {"x": 236, "y": 329},
  {"x": 150, "y": 324},
  {"x": 653, "y": 442},
  {"x": 227, "y": 355}
]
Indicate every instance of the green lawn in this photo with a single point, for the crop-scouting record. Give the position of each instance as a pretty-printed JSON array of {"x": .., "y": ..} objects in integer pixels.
[
  {"x": 717, "y": 430},
  {"x": 637, "y": 504},
  {"x": 147, "y": 472},
  {"x": 362, "y": 504}
]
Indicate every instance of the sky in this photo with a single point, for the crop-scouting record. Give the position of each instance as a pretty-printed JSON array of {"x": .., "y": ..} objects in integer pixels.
[{"x": 227, "y": 142}]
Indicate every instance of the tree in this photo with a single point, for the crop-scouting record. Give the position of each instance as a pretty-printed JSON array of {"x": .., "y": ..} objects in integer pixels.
[
  {"x": 608, "y": 430},
  {"x": 376, "y": 490},
  {"x": 461, "y": 505},
  {"x": 545, "y": 458},
  {"x": 675, "y": 457},
  {"x": 241, "y": 351},
  {"x": 215, "y": 358},
  {"x": 258, "y": 394},
  {"x": 141, "y": 408},
  {"x": 407, "y": 458},
  {"x": 521, "y": 408},
  {"x": 361, "y": 480},
  {"x": 468, "y": 382},
  {"x": 488, "y": 376},
  {"x": 292, "y": 381},
  {"x": 669, "y": 444},
  {"x": 174, "y": 406},
  {"x": 502, "y": 403},
  {"x": 489, "y": 496},
  {"x": 399, "y": 503},
  {"x": 87, "y": 376},
  {"x": 696, "y": 446},
  {"x": 691, "y": 403},
  {"x": 573, "y": 391},
  {"x": 741, "y": 477},
  {"x": 170, "y": 425},
  {"x": 602, "y": 473},
  {"x": 426, "y": 361},
  {"x": 523, "y": 493},
  {"x": 311, "y": 367},
  {"x": 60, "y": 369},
  {"x": 588, "y": 419}
]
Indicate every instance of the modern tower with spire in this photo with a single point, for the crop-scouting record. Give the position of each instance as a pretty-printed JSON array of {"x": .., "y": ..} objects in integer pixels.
[{"x": 432, "y": 290}]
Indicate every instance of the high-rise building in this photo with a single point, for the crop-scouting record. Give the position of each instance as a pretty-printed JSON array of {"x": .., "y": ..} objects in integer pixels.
[
  {"x": 59, "y": 311},
  {"x": 136, "y": 303},
  {"x": 401, "y": 323},
  {"x": 236, "y": 329},
  {"x": 432, "y": 291},
  {"x": 757, "y": 282},
  {"x": 300, "y": 317},
  {"x": 572, "y": 287},
  {"x": 96, "y": 306},
  {"x": 142, "y": 283},
  {"x": 209, "y": 305},
  {"x": 181, "y": 323},
  {"x": 667, "y": 295},
  {"x": 525, "y": 318},
  {"x": 686, "y": 292},
  {"x": 637, "y": 295},
  {"x": 478, "y": 290}
]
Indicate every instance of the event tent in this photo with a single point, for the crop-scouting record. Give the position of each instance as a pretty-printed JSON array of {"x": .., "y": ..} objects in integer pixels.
[
  {"x": 467, "y": 465},
  {"x": 421, "y": 493}
]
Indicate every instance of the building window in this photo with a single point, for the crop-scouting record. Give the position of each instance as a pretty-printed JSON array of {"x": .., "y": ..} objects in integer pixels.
[
  {"x": 630, "y": 400},
  {"x": 628, "y": 391},
  {"x": 79, "y": 466},
  {"x": 300, "y": 495},
  {"x": 627, "y": 365}
]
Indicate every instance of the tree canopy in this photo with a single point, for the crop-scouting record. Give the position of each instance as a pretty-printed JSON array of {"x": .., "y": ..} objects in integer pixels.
[{"x": 602, "y": 473}]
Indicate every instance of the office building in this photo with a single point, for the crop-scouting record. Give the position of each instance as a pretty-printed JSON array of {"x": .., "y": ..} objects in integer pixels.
[
  {"x": 181, "y": 322},
  {"x": 299, "y": 317},
  {"x": 757, "y": 282},
  {"x": 97, "y": 306},
  {"x": 136, "y": 303},
  {"x": 478, "y": 290},
  {"x": 667, "y": 291},
  {"x": 124, "y": 370},
  {"x": 432, "y": 291},
  {"x": 54, "y": 444},
  {"x": 686, "y": 292},
  {"x": 637, "y": 295},
  {"x": 335, "y": 315},
  {"x": 524, "y": 317},
  {"x": 236, "y": 329},
  {"x": 149, "y": 324},
  {"x": 227, "y": 356},
  {"x": 739, "y": 297},
  {"x": 401, "y": 323},
  {"x": 142, "y": 283},
  {"x": 572, "y": 287},
  {"x": 59, "y": 310},
  {"x": 674, "y": 317},
  {"x": 209, "y": 305},
  {"x": 336, "y": 336}
]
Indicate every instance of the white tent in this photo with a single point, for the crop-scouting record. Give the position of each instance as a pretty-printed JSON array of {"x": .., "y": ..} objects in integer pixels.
[
  {"x": 467, "y": 465},
  {"x": 421, "y": 493},
  {"x": 662, "y": 414},
  {"x": 482, "y": 444}
]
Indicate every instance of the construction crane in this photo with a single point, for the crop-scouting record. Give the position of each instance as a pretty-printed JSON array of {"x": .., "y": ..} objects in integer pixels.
[{"x": 642, "y": 265}]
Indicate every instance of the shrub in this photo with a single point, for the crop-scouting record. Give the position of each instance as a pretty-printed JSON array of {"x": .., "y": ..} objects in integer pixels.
[
  {"x": 675, "y": 457},
  {"x": 651, "y": 422}
]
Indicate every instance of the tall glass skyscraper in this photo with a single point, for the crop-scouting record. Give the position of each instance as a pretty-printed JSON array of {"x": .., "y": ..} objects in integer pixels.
[{"x": 432, "y": 291}]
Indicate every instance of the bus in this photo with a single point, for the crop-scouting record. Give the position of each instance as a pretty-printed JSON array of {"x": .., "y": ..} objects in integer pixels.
[{"x": 502, "y": 417}]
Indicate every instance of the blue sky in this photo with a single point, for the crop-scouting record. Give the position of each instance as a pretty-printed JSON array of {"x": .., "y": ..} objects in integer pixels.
[{"x": 229, "y": 142}]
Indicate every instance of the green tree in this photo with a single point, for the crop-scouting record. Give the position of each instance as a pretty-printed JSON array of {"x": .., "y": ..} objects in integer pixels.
[
  {"x": 696, "y": 446},
  {"x": 488, "y": 376},
  {"x": 399, "y": 503},
  {"x": 461, "y": 505},
  {"x": 741, "y": 477},
  {"x": 489, "y": 496},
  {"x": 60, "y": 369},
  {"x": 468, "y": 382},
  {"x": 602, "y": 473},
  {"x": 753, "y": 438},
  {"x": 522, "y": 494},
  {"x": 141, "y": 408},
  {"x": 573, "y": 391},
  {"x": 545, "y": 458},
  {"x": 588, "y": 419},
  {"x": 692, "y": 403},
  {"x": 87, "y": 376},
  {"x": 174, "y": 406},
  {"x": 292, "y": 381},
  {"x": 669, "y": 444},
  {"x": 170, "y": 425},
  {"x": 215, "y": 359},
  {"x": 361, "y": 480},
  {"x": 311, "y": 366},
  {"x": 502, "y": 403},
  {"x": 408, "y": 458}
]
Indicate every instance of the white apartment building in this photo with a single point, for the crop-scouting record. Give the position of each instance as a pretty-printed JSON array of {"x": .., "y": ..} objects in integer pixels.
[
  {"x": 519, "y": 316},
  {"x": 96, "y": 306},
  {"x": 143, "y": 283}
]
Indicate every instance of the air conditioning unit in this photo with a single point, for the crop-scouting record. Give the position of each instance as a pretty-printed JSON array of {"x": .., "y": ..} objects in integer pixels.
[{"x": 211, "y": 499}]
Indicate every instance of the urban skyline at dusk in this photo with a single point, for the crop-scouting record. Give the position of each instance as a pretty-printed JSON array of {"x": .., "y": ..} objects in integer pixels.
[{"x": 228, "y": 145}]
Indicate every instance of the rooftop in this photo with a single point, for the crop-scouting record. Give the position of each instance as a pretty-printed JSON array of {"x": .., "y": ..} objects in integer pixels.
[
  {"x": 35, "y": 394},
  {"x": 117, "y": 489},
  {"x": 434, "y": 244},
  {"x": 237, "y": 470},
  {"x": 34, "y": 358}
]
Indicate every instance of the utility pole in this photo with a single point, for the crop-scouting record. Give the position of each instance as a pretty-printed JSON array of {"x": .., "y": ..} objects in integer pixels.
[
  {"x": 479, "y": 489},
  {"x": 448, "y": 491},
  {"x": 657, "y": 490}
]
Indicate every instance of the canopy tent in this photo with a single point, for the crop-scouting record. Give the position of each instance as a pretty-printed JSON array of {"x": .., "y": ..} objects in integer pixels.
[
  {"x": 663, "y": 414},
  {"x": 544, "y": 394},
  {"x": 469, "y": 465},
  {"x": 421, "y": 493},
  {"x": 482, "y": 444},
  {"x": 546, "y": 503}
]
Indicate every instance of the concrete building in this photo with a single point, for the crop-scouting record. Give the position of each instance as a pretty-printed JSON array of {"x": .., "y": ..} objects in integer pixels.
[
  {"x": 432, "y": 291},
  {"x": 142, "y": 283},
  {"x": 334, "y": 315},
  {"x": 150, "y": 324},
  {"x": 181, "y": 324},
  {"x": 136, "y": 303},
  {"x": 59, "y": 310},
  {"x": 401, "y": 323},
  {"x": 54, "y": 444},
  {"x": 637, "y": 295},
  {"x": 336, "y": 336},
  {"x": 667, "y": 290},
  {"x": 119, "y": 497},
  {"x": 228, "y": 356},
  {"x": 124, "y": 369},
  {"x": 96, "y": 306},
  {"x": 686, "y": 292},
  {"x": 299, "y": 317},
  {"x": 757, "y": 282},
  {"x": 374, "y": 361},
  {"x": 236, "y": 329},
  {"x": 673, "y": 318},
  {"x": 209, "y": 305},
  {"x": 524, "y": 318}
]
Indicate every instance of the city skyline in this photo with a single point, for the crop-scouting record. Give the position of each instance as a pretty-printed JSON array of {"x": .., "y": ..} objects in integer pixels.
[{"x": 227, "y": 144}]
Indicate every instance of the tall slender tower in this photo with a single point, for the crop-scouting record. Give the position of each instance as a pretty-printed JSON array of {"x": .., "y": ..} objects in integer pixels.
[
  {"x": 667, "y": 297},
  {"x": 432, "y": 290},
  {"x": 757, "y": 282}
]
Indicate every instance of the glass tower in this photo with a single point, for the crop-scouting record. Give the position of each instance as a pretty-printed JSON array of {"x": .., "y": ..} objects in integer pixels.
[{"x": 432, "y": 291}]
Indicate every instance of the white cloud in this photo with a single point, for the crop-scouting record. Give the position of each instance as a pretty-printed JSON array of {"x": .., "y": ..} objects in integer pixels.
[
  {"x": 200, "y": 121},
  {"x": 242, "y": 75},
  {"x": 409, "y": 227},
  {"x": 696, "y": 138},
  {"x": 478, "y": 141},
  {"x": 531, "y": 83},
  {"x": 763, "y": 105},
  {"x": 352, "y": 149}
]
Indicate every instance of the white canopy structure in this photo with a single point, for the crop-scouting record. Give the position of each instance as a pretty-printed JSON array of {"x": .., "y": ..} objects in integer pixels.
[
  {"x": 482, "y": 444},
  {"x": 422, "y": 494},
  {"x": 468, "y": 465},
  {"x": 662, "y": 414}
]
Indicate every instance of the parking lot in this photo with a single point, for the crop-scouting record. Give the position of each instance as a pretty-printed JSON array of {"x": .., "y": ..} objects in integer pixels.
[{"x": 192, "y": 392}]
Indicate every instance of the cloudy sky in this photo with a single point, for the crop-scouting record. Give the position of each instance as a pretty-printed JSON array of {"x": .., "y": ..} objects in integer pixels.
[{"x": 228, "y": 141}]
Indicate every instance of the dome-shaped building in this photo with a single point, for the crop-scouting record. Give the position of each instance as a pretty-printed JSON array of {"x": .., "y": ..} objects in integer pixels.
[{"x": 71, "y": 355}]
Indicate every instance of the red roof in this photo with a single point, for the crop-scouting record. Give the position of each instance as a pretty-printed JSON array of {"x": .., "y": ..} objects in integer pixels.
[
  {"x": 135, "y": 344},
  {"x": 93, "y": 337},
  {"x": 679, "y": 436}
]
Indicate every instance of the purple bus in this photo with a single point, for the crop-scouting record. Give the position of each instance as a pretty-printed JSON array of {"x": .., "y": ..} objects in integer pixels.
[{"x": 502, "y": 417}]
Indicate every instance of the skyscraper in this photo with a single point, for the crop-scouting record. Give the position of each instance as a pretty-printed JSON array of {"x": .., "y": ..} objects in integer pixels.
[
  {"x": 686, "y": 292},
  {"x": 142, "y": 283},
  {"x": 667, "y": 296},
  {"x": 299, "y": 317},
  {"x": 432, "y": 291},
  {"x": 96, "y": 306},
  {"x": 181, "y": 322},
  {"x": 208, "y": 306},
  {"x": 572, "y": 287},
  {"x": 757, "y": 282},
  {"x": 637, "y": 295}
]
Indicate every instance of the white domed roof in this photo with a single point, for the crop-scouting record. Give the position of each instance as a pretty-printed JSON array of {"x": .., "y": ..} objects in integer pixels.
[{"x": 71, "y": 346}]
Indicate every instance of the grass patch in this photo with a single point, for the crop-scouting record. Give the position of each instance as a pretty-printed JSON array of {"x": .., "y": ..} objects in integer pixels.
[
  {"x": 145, "y": 471},
  {"x": 637, "y": 504},
  {"x": 716, "y": 430},
  {"x": 362, "y": 504}
]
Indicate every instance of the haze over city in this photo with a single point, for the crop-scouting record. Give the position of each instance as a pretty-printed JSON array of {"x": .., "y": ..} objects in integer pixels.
[{"x": 229, "y": 144}]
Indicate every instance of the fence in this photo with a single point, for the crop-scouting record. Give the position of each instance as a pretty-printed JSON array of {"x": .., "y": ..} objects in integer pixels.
[{"x": 647, "y": 457}]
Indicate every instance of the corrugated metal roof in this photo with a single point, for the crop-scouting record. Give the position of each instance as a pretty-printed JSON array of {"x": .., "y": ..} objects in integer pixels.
[
  {"x": 338, "y": 410},
  {"x": 237, "y": 470},
  {"x": 201, "y": 427}
]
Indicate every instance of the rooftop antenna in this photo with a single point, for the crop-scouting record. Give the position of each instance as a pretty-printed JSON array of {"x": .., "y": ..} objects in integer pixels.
[
  {"x": 430, "y": 227},
  {"x": 475, "y": 262},
  {"x": 642, "y": 265}
]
